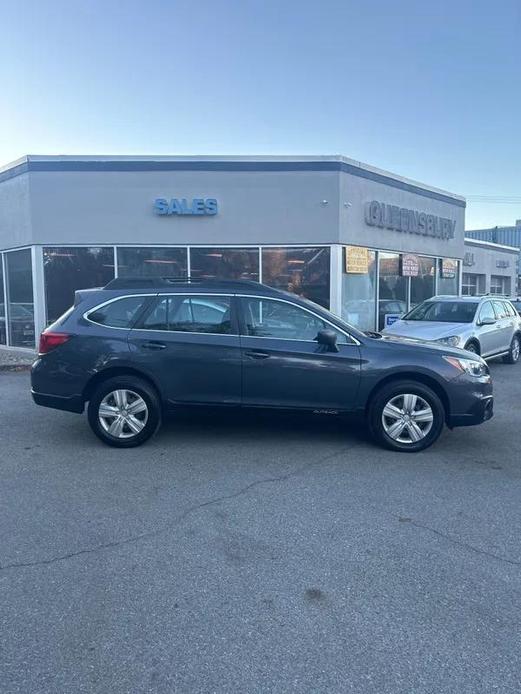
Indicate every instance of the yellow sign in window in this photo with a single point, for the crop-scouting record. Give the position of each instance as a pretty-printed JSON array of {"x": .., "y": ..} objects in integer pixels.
[{"x": 356, "y": 259}]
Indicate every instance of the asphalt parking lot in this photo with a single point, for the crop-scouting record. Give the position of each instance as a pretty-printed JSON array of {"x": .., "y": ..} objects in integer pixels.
[{"x": 264, "y": 554}]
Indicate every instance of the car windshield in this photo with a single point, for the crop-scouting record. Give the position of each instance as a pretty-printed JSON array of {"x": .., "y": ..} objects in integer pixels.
[{"x": 444, "y": 312}]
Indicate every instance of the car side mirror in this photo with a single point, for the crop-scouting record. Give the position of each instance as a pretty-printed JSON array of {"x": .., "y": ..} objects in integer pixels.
[
  {"x": 327, "y": 339},
  {"x": 487, "y": 321}
]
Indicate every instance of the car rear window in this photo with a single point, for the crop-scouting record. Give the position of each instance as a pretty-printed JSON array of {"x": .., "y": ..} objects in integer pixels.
[
  {"x": 443, "y": 312},
  {"x": 120, "y": 313}
]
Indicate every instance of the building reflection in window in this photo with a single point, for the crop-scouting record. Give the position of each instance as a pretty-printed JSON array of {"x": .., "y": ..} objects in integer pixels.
[
  {"x": 225, "y": 263},
  {"x": 359, "y": 287},
  {"x": 448, "y": 277},
  {"x": 422, "y": 286},
  {"x": 3, "y": 318},
  {"x": 20, "y": 309},
  {"x": 67, "y": 269},
  {"x": 392, "y": 288},
  {"x": 303, "y": 271},
  {"x": 152, "y": 262}
]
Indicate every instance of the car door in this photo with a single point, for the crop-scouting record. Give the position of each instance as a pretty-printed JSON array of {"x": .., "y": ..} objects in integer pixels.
[
  {"x": 284, "y": 366},
  {"x": 505, "y": 325},
  {"x": 488, "y": 335},
  {"x": 189, "y": 343}
]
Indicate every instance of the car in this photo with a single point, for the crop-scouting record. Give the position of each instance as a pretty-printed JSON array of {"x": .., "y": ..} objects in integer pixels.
[
  {"x": 22, "y": 324},
  {"x": 136, "y": 349},
  {"x": 488, "y": 325}
]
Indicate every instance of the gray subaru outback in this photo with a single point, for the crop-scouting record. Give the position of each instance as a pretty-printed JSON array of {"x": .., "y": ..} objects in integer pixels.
[{"x": 139, "y": 348}]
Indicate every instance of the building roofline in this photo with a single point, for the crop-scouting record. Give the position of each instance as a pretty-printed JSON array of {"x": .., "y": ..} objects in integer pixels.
[
  {"x": 490, "y": 244},
  {"x": 324, "y": 163}
]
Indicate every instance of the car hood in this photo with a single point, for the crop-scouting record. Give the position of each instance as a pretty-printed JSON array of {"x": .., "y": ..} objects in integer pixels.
[
  {"x": 425, "y": 330},
  {"x": 415, "y": 344}
]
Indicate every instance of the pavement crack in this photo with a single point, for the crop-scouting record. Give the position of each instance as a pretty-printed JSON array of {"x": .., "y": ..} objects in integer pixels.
[
  {"x": 189, "y": 511},
  {"x": 461, "y": 543}
]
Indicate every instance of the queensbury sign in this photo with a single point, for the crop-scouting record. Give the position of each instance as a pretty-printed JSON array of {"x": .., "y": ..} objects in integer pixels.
[
  {"x": 380, "y": 214},
  {"x": 184, "y": 206}
]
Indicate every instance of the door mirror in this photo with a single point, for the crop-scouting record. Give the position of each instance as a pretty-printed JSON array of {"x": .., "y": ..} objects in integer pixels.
[
  {"x": 327, "y": 339},
  {"x": 487, "y": 321}
]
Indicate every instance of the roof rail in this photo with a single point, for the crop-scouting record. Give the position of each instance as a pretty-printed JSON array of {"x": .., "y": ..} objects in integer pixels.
[{"x": 162, "y": 282}]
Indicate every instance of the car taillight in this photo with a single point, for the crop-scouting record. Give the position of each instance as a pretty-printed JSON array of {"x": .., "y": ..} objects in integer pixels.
[{"x": 49, "y": 341}]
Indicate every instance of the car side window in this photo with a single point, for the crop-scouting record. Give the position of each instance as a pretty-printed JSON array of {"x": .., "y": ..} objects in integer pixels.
[
  {"x": 190, "y": 314},
  {"x": 509, "y": 309},
  {"x": 272, "y": 318},
  {"x": 487, "y": 311},
  {"x": 118, "y": 314},
  {"x": 500, "y": 310}
]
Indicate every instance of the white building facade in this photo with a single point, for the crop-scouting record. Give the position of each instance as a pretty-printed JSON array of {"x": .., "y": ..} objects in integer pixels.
[{"x": 365, "y": 243}]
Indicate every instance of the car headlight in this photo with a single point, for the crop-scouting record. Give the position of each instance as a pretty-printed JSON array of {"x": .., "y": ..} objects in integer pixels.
[
  {"x": 452, "y": 340},
  {"x": 473, "y": 367}
]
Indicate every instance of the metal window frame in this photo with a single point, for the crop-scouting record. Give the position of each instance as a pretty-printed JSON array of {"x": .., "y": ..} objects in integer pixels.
[
  {"x": 6, "y": 302},
  {"x": 7, "y": 299}
]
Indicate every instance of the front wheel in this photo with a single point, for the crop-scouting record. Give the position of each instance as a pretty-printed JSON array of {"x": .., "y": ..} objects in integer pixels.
[
  {"x": 124, "y": 411},
  {"x": 406, "y": 416},
  {"x": 515, "y": 349}
]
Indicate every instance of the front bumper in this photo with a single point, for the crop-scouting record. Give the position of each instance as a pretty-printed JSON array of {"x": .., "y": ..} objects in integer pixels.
[{"x": 481, "y": 411}]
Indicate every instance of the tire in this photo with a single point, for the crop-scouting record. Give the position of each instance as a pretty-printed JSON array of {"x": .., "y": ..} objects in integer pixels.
[
  {"x": 515, "y": 348},
  {"x": 472, "y": 347},
  {"x": 140, "y": 407},
  {"x": 418, "y": 398}
]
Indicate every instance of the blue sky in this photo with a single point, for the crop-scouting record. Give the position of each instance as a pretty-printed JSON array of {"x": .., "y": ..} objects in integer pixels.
[{"x": 429, "y": 90}]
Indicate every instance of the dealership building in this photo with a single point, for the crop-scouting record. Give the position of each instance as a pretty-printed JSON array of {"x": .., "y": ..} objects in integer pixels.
[
  {"x": 363, "y": 242},
  {"x": 489, "y": 268}
]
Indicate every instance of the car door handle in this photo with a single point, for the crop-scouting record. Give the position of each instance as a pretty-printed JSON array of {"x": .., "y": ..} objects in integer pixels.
[
  {"x": 256, "y": 354},
  {"x": 153, "y": 345}
]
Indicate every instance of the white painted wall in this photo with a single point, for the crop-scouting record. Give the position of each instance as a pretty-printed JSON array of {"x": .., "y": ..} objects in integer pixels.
[
  {"x": 15, "y": 212},
  {"x": 354, "y": 230}
]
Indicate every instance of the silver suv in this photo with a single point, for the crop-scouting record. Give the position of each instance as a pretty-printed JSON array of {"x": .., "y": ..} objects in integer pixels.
[{"x": 488, "y": 325}]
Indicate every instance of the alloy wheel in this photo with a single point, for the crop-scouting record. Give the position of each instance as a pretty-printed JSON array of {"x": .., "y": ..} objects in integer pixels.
[
  {"x": 407, "y": 418},
  {"x": 123, "y": 413},
  {"x": 516, "y": 349}
]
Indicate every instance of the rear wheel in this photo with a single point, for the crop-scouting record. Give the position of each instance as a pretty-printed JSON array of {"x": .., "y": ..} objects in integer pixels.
[
  {"x": 124, "y": 411},
  {"x": 406, "y": 416},
  {"x": 515, "y": 349}
]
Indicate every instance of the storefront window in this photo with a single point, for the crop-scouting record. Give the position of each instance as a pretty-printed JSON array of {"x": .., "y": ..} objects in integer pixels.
[
  {"x": 500, "y": 285},
  {"x": 225, "y": 263},
  {"x": 20, "y": 298},
  {"x": 152, "y": 262},
  {"x": 67, "y": 269},
  {"x": 303, "y": 271},
  {"x": 448, "y": 277},
  {"x": 3, "y": 320},
  {"x": 422, "y": 285},
  {"x": 359, "y": 287},
  {"x": 472, "y": 284},
  {"x": 392, "y": 287}
]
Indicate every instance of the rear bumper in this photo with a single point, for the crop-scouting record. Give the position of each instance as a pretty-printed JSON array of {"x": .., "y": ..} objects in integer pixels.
[
  {"x": 481, "y": 411},
  {"x": 72, "y": 403}
]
